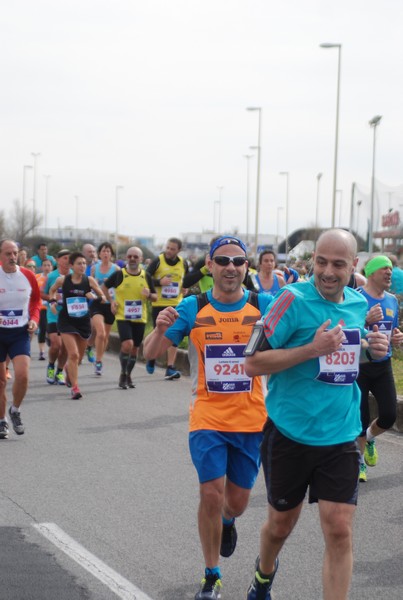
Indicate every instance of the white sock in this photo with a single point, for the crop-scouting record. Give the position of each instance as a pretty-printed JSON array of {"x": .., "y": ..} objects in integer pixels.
[
  {"x": 14, "y": 409},
  {"x": 370, "y": 437}
]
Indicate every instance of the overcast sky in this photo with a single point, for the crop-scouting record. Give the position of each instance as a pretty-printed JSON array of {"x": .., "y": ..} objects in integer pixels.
[{"x": 151, "y": 96}]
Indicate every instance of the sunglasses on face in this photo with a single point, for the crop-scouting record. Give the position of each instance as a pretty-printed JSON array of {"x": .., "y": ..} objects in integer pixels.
[
  {"x": 31, "y": 266},
  {"x": 224, "y": 261},
  {"x": 133, "y": 256}
]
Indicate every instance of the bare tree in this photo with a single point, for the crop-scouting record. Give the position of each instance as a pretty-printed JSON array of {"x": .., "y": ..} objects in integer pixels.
[{"x": 23, "y": 222}]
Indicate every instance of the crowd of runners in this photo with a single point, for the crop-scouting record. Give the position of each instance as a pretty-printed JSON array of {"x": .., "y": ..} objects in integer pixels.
[{"x": 282, "y": 364}]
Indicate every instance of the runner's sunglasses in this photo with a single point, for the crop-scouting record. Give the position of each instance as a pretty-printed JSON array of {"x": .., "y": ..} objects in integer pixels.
[{"x": 224, "y": 261}]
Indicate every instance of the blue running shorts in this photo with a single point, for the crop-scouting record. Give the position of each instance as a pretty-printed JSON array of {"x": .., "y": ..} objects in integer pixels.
[
  {"x": 14, "y": 342},
  {"x": 219, "y": 453}
]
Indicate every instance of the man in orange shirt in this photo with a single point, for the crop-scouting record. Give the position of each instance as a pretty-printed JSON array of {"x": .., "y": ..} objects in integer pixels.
[{"x": 227, "y": 413}]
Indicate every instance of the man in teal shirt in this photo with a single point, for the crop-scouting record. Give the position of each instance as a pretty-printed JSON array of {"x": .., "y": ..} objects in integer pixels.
[{"x": 314, "y": 331}]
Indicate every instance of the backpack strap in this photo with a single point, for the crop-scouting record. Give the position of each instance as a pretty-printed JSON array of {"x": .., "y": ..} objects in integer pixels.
[
  {"x": 202, "y": 301},
  {"x": 253, "y": 299}
]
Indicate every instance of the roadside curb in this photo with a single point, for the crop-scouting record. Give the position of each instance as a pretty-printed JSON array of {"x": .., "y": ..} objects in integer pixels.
[{"x": 182, "y": 364}]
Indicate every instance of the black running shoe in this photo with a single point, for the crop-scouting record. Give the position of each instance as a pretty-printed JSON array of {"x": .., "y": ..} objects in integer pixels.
[
  {"x": 129, "y": 382},
  {"x": 228, "y": 540},
  {"x": 16, "y": 421},
  {"x": 123, "y": 381},
  {"x": 3, "y": 430},
  {"x": 261, "y": 589}
]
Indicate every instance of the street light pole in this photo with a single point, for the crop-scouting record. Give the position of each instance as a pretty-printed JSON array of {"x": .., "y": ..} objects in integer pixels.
[
  {"x": 117, "y": 188},
  {"x": 77, "y": 201},
  {"x": 373, "y": 123},
  {"x": 248, "y": 157},
  {"x": 35, "y": 155},
  {"x": 258, "y": 149},
  {"x": 279, "y": 208},
  {"x": 336, "y": 144},
  {"x": 24, "y": 186},
  {"x": 318, "y": 178},
  {"x": 352, "y": 208},
  {"x": 286, "y": 173}
]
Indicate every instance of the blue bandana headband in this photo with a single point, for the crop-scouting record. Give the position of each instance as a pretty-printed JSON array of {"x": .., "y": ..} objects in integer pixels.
[{"x": 225, "y": 241}]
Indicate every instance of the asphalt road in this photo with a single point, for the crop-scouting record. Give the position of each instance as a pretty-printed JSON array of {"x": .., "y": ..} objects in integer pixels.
[{"x": 98, "y": 501}]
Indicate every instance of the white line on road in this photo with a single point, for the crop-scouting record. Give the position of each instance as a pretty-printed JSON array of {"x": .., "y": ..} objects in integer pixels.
[{"x": 115, "y": 582}]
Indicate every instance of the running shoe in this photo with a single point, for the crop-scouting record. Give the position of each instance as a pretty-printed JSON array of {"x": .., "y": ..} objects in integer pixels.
[
  {"x": 210, "y": 588},
  {"x": 363, "y": 473},
  {"x": 98, "y": 368},
  {"x": 90, "y": 354},
  {"x": 228, "y": 539},
  {"x": 123, "y": 381},
  {"x": 371, "y": 454},
  {"x": 15, "y": 418},
  {"x": 60, "y": 380},
  {"x": 171, "y": 374},
  {"x": 50, "y": 375},
  {"x": 129, "y": 382},
  {"x": 150, "y": 366},
  {"x": 8, "y": 373},
  {"x": 41, "y": 356},
  {"x": 75, "y": 393},
  {"x": 260, "y": 589},
  {"x": 3, "y": 430}
]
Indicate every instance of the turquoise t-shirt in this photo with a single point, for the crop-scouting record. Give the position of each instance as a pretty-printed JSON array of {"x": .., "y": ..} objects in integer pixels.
[
  {"x": 303, "y": 406},
  {"x": 51, "y": 318}
]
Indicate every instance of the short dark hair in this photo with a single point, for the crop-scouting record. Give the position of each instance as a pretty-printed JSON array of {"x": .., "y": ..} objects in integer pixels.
[
  {"x": 41, "y": 244},
  {"x": 74, "y": 255},
  {"x": 267, "y": 251},
  {"x": 177, "y": 241},
  {"x": 106, "y": 245}
]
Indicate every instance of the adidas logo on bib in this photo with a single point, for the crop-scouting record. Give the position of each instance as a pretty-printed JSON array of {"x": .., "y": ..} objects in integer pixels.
[{"x": 228, "y": 352}]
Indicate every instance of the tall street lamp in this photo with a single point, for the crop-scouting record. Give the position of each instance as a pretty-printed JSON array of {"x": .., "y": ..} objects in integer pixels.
[
  {"x": 35, "y": 155},
  {"x": 258, "y": 149},
  {"x": 286, "y": 173},
  {"x": 47, "y": 177},
  {"x": 77, "y": 203},
  {"x": 350, "y": 227},
  {"x": 359, "y": 202},
  {"x": 318, "y": 178},
  {"x": 373, "y": 123},
  {"x": 336, "y": 144},
  {"x": 24, "y": 185},
  {"x": 248, "y": 157},
  {"x": 279, "y": 209},
  {"x": 117, "y": 188}
]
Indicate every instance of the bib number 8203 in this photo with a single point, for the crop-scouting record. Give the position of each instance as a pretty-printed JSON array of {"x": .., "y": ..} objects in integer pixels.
[{"x": 340, "y": 358}]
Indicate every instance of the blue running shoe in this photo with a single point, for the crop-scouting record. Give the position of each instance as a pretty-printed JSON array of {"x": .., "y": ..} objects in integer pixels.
[
  {"x": 171, "y": 374},
  {"x": 150, "y": 366}
]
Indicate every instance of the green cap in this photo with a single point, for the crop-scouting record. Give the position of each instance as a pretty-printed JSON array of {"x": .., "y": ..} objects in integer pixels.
[{"x": 376, "y": 263}]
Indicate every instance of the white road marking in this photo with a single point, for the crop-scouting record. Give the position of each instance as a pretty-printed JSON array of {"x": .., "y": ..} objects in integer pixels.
[{"x": 115, "y": 582}]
